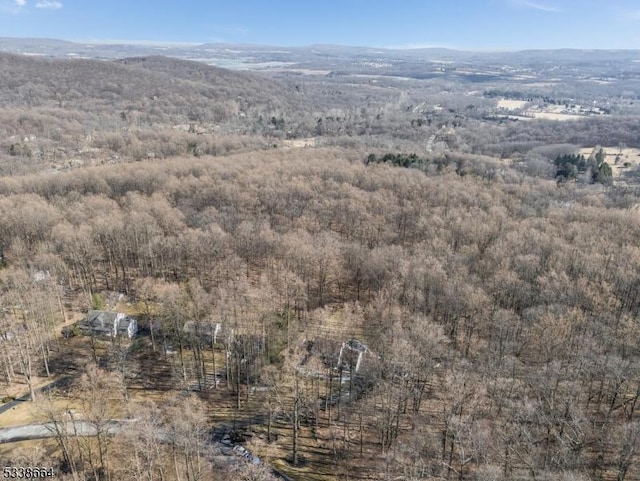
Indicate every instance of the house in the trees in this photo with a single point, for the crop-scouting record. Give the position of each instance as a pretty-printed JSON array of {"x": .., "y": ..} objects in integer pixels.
[
  {"x": 346, "y": 357},
  {"x": 351, "y": 353},
  {"x": 204, "y": 331},
  {"x": 108, "y": 324}
]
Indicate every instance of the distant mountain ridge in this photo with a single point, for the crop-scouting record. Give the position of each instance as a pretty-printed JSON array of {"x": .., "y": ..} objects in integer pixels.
[
  {"x": 177, "y": 84},
  {"x": 248, "y": 55}
]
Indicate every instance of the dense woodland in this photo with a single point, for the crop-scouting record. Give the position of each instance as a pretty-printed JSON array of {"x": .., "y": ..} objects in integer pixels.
[
  {"x": 499, "y": 306},
  {"x": 64, "y": 114}
]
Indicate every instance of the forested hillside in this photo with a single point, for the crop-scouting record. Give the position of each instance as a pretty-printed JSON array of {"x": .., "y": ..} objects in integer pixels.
[
  {"x": 500, "y": 311},
  {"x": 60, "y": 114},
  {"x": 345, "y": 266}
]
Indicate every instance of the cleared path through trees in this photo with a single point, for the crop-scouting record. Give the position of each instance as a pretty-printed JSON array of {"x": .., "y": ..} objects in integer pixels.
[{"x": 47, "y": 430}]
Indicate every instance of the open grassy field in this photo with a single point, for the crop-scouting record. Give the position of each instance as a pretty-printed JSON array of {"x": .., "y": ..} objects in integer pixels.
[
  {"x": 509, "y": 104},
  {"x": 556, "y": 116},
  {"x": 299, "y": 143},
  {"x": 621, "y": 160}
]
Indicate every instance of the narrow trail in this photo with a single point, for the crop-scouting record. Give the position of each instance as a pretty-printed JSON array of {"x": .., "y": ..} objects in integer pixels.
[{"x": 31, "y": 432}]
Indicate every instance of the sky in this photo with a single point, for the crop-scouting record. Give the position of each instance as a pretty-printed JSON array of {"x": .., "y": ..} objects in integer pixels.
[{"x": 460, "y": 24}]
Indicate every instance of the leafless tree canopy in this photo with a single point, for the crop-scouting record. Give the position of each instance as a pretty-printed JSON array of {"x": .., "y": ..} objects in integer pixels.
[{"x": 467, "y": 317}]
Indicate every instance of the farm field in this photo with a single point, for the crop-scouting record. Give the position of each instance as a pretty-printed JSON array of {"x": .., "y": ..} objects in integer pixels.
[
  {"x": 621, "y": 160},
  {"x": 508, "y": 104},
  {"x": 556, "y": 116}
]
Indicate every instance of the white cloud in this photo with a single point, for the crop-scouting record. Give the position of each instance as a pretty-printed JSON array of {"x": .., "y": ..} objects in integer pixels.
[
  {"x": 47, "y": 4},
  {"x": 12, "y": 7},
  {"x": 537, "y": 6}
]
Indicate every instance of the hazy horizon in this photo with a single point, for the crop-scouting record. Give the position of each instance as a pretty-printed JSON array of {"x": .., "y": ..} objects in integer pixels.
[
  {"x": 485, "y": 25},
  {"x": 171, "y": 44}
]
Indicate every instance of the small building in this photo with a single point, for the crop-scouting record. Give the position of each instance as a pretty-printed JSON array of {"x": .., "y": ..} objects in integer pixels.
[
  {"x": 127, "y": 327},
  {"x": 204, "y": 331},
  {"x": 351, "y": 354},
  {"x": 322, "y": 354},
  {"x": 108, "y": 324}
]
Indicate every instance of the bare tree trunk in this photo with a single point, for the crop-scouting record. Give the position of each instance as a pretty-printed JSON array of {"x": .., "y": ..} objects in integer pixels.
[
  {"x": 296, "y": 408},
  {"x": 237, "y": 381},
  {"x": 25, "y": 363},
  {"x": 213, "y": 358},
  {"x": 361, "y": 431}
]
